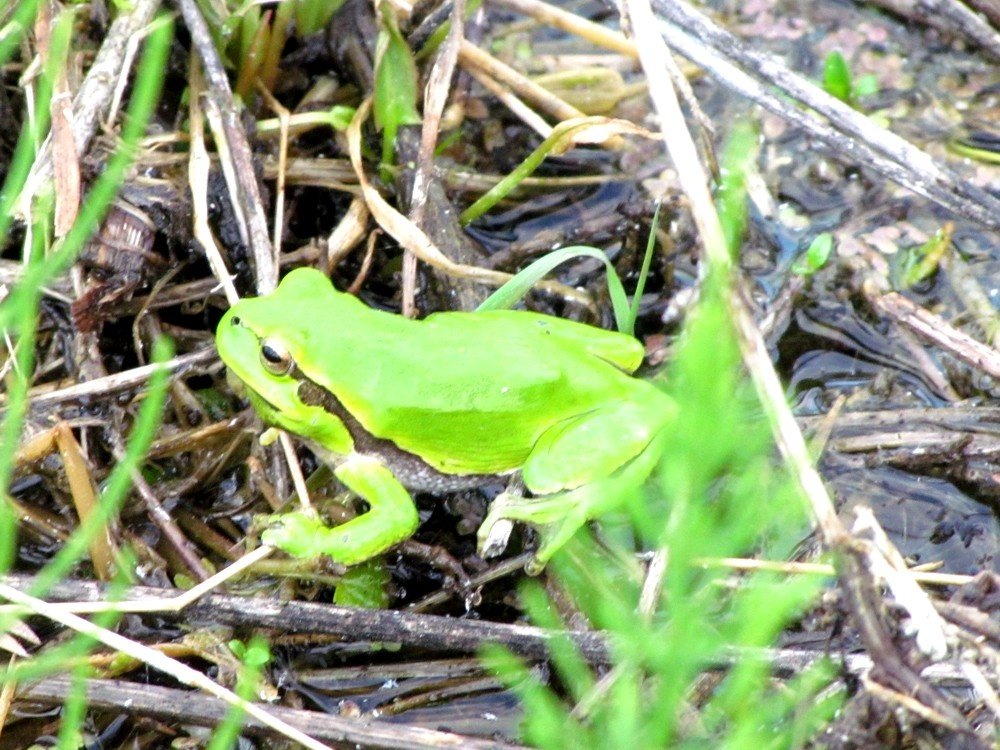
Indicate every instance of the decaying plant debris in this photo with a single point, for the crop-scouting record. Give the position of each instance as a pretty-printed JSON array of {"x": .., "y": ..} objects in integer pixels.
[{"x": 893, "y": 382}]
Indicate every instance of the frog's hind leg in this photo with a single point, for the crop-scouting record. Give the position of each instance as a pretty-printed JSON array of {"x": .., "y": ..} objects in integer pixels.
[
  {"x": 557, "y": 517},
  {"x": 595, "y": 445}
]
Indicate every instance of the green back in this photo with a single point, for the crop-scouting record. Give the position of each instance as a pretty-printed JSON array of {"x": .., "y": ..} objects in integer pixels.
[{"x": 468, "y": 392}]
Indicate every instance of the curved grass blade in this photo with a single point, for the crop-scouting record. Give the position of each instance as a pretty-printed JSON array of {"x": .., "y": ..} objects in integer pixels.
[{"x": 514, "y": 290}]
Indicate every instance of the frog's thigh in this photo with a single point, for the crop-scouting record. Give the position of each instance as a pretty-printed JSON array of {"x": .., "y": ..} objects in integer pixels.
[{"x": 589, "y": 447}]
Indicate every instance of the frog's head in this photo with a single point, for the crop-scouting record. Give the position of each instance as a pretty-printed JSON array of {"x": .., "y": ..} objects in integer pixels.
[{"x": 264, "y": 341}]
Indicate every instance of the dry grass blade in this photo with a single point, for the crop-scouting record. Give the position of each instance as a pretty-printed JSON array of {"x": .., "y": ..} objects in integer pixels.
[
  {"x": 159, "y": 661},
  {"x": 436, "y": 93},
  {"x": 66, "y": 159},
  {"x": 11, "y": 645},
  {"x": 899, "y": 678},
  {"x": 885, "y": 563},
  {"x": 82, "y": 490},
  {"x": 404, "y": 231},
  {"x": 570, "y": 22},
  {"x": 471, "y": 56},
  {"x": 231, "y": 138},
  {"x": 283, "y": 129},
  {"x": 94, "y": 96},
  {"x": 17, "y": 632},
  {"x": 199, "y": 165},
  {"x": 506, "y": 97},
  {"x": 348, "y": 234},
  {"x": 121, "y": 381}
]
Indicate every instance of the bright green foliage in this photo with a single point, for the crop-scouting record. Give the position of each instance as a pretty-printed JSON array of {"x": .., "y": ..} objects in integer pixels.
[
  {"x": 19, "y": 311},
  {"x": 838, "y": 81},
  {"x": 17, "y": 25},
  {"x": 365, "y": 585},
  {"x": 251, "y": 40},
  {"x": 915, "y": 264},
  {"x": 311, "y": 16},
  {"x": 737, "y": 160},
  {"x": 563, "y": 136},
  {"x": 521, "y": 283},
  {"x": 718, "y": 495},
  {"x": 866, "y": 85},
  {"x": 837, "y": 76},
  {"x": 816, "y": 255},
  {"x": 517, "y": 287},
  {"x": 397, "y": 86},
  {"x": 254, "y": 656}
]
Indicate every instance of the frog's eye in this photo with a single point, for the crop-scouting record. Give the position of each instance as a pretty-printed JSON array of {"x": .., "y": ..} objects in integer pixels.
[{"x": 275, "y": 357}]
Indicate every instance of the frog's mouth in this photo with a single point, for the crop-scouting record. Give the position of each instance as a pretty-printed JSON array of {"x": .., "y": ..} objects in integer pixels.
[
  {"x": 263, "y": 406},
  {"x": 238, "y": 386}
]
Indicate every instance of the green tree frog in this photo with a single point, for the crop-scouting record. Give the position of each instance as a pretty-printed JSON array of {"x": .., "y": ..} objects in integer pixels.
[{"x": 449, "y": 402}]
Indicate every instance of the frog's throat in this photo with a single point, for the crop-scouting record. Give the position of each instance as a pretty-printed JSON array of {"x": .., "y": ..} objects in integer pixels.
[{"x": 411, "y": 470}]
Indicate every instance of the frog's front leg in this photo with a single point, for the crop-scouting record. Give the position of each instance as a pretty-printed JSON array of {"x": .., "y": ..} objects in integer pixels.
[{"x": 391, "y": 518}]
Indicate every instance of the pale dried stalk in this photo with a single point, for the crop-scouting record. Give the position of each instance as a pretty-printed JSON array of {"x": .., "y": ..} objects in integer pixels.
[{"x": 156, "y": 659}]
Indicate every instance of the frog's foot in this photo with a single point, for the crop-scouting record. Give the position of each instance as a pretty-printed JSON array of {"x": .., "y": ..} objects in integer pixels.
[
  {"x": 556, "y": 517},
  {"x": 493, "y": 536},
  {"x": 297, "y": 534}
]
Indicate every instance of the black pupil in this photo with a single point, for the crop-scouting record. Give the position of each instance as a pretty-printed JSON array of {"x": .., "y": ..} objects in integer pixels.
[{"x": 270, "y": 355}]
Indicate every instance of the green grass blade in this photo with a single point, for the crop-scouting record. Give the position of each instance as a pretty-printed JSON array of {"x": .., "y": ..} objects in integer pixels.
[
  {"x": 15, "y": 29},
  {"x": 514, "y": 290},
  {"x": 647, "y": 261},
  {"x": 559, "y": 140}
]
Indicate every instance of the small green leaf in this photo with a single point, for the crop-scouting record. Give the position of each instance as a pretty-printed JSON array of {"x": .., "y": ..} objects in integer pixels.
[
  {"x": 866, "y": 85},
  {"x": 738, "y": 159},
  {"x": 341, "y": 116},
  {"x": 238, "y": 648},
  {"x": 311, "y": 16},
  {"x": 921, "y": 262},
  {"x": 365, "y": 585},
  {"x": 640, "y": 284},
  {"x": 837, "y": 77},
  {"x": 815, "y": 256}
]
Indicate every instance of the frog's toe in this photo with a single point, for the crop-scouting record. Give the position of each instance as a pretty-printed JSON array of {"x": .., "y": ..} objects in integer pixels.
[
  {"x": 553, "y": 537},
  {"x": 493, "y": 536}
]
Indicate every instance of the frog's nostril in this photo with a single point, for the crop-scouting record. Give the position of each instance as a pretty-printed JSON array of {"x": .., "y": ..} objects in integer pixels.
[{"x": 236, "y": 320}]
